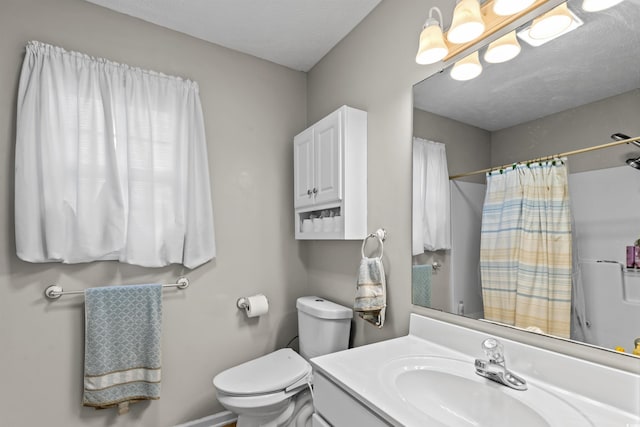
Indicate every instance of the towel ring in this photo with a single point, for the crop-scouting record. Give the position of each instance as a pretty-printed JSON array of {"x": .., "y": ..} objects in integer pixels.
[{"x": 379, "y": 236}]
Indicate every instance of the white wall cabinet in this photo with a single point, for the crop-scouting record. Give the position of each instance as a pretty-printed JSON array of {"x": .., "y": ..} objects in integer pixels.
[
  {"x": 330, "y": 177},
  {"x": 317, "y": 167}
]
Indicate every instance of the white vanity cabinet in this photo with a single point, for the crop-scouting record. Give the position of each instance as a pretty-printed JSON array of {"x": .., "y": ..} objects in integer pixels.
[
  {"x": 338, "y": 408},
  {"x": 330, "y": 176}
]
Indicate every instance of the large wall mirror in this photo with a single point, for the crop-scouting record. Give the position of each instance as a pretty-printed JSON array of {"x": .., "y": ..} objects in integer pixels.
[{"x": 570, "y": 93}]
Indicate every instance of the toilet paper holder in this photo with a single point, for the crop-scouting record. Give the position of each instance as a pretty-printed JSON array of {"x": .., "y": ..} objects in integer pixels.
[
  {"x": 242, "y": 303},
  {"x": 254, "y": 306}
]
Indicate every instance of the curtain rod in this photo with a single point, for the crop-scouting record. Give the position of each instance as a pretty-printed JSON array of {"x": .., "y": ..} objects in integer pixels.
[{"x": 568, "y": 153}]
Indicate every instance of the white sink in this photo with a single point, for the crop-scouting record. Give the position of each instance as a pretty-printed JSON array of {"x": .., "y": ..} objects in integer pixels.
[
  {"x": 428, "y": 378},
  {"x": 448, "y": 391}
]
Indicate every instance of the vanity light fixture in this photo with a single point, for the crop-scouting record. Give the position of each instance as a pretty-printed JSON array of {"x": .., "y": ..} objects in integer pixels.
[
  {"x": 503, "y": 49},
  {"x": 472, "y": 22},
  {"x": 467, "y": 23},
  {"x": 598, "y": 5},
  {"x": 552, "y": 23},
  {"x": 510, "y": 7},
  {"x": 432, "y": 47},
  {"x": 467, "y": 68}
]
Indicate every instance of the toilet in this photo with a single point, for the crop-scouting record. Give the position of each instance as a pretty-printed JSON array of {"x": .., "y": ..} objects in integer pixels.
[{"x": 274, "y": 390}]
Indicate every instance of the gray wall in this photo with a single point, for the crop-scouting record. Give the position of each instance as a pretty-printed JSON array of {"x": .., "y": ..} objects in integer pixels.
[
  {"x": 574, "y": 129},
  {"x": 373, "y": 68},
  {"x": 252, "y": 110}
]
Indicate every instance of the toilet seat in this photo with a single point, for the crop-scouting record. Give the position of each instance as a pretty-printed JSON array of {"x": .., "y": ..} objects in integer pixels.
[
  {"x": 272, "y": 374},
  {"x": 242, "y": 403}
]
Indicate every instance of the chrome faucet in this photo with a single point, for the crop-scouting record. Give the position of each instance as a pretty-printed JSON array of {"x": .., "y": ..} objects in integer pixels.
[{"x": 495, "y": 368}]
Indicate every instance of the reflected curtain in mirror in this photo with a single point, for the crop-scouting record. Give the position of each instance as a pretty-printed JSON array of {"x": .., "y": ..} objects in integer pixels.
[
  {"x": 525, "y": 248},
  {"x": 431, "y": 201}
]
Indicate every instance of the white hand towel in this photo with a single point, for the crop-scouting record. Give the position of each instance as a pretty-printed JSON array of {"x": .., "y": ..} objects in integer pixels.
[{"x": 371, "y": 288}]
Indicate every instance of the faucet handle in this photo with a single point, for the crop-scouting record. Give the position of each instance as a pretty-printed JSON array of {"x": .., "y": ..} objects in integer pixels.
[{"x": 494, "y": 350}]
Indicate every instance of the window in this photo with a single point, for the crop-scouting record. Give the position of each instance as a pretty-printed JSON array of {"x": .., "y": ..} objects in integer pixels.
[{"x": 111, "y": 164}]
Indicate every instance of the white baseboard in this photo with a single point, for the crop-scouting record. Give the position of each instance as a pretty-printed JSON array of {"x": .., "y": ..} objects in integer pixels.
[{"x": 220, "y": 419}]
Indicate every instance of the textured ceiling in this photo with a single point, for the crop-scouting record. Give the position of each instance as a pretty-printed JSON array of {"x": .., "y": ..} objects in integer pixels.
[
  {"x": 597, "y": 60},
  {"x": 293, "y": 33}
]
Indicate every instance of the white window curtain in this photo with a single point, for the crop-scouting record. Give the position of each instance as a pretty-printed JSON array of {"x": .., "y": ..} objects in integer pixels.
[
  {"x": 431, "y": 199},
  {"x": 111, "y": 164}
]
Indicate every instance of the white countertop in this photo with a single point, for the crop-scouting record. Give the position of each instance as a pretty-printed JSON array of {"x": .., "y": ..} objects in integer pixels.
[{"x": 605, "y": 396}]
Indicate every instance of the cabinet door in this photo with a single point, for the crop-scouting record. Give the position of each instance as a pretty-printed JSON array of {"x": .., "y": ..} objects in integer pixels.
[
  {"x": 328, "y": 165},
  {"x": 303, "y": 170},
  {"x": 339, "y": 408}
]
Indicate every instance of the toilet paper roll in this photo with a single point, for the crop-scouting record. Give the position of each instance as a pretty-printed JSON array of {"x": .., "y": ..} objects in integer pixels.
[{"x": 257, "y": 305}]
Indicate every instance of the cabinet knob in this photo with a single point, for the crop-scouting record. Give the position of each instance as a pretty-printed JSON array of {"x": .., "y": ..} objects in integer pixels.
[
  {"x": 315, "y": 191},
  {"x": 308, "y": 192}
]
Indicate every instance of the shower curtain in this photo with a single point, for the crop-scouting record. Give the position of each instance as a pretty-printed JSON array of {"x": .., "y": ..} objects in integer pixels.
[{"x": 525, "y": 248}]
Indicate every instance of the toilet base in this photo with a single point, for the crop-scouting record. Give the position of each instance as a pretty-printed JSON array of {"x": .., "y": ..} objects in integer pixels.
[{"x": 297, "y": 413}]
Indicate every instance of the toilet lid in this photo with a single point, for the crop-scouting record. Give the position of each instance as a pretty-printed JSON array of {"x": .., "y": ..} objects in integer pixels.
[{"x": 273, "y": 372}]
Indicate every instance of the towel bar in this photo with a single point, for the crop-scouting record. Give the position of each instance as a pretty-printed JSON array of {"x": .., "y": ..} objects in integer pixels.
[{"x": 55, "y": 291}]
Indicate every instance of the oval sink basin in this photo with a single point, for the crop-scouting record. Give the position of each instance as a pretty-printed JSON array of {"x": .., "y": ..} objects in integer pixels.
[{"x": 449, "y": 392}]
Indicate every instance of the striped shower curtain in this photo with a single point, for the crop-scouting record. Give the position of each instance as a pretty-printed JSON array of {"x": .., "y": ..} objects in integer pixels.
[{"x": 525, "y": 248}]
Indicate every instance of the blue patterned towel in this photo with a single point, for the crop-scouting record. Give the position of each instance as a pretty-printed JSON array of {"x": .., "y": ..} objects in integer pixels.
[
  {"x": 123, "y": 325},
  {"x": 421, "y": 285}
]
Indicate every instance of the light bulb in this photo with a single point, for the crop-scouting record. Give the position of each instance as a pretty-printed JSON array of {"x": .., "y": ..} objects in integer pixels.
[
  {"x": 467, "y": 68},
  {"x": 432, "y": 47},
  {"x": 467, "y": 23},
  {"x": 503, "y": 49},
  {"x": 551, "y": 23}
]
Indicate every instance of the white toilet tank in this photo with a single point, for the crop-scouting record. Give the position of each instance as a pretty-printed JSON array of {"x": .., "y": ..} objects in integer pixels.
[{"x": 323, "y": 326}]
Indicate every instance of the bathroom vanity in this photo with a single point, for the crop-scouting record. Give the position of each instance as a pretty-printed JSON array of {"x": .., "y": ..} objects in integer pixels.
[{"x": 428, "y": 378}]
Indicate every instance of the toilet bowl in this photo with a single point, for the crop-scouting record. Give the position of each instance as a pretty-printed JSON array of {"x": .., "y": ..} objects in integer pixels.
[
  {"x": 274, "y": 390},
  {"x": 261, "y": 391}
]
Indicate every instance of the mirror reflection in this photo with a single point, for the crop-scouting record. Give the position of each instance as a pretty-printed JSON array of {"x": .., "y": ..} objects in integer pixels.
[{"x": 540, "y": 241}]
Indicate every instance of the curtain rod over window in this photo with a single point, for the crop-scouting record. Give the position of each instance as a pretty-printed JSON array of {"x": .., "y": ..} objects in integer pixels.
[{"x": 539, "y": 159}]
